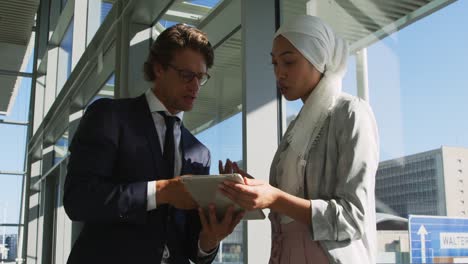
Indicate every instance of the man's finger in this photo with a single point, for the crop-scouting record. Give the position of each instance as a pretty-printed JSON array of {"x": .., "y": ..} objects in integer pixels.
[
  {"x": 220, "y": 167},
  {"x": 228, "y": 216},
  {"x": 228, "y": 166},
  {"x": 236, "y": 168},
  {"x": 236, "y": 221},
  {"x": 203, "y": 221},
  {"x": 212, "y": 214}
]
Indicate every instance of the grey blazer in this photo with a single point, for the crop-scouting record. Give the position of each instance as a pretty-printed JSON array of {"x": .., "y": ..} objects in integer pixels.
[{"x": 339, "y": 179}]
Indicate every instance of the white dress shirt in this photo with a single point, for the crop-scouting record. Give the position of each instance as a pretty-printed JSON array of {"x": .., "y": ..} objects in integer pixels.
[{"x": 156, "y": 105}]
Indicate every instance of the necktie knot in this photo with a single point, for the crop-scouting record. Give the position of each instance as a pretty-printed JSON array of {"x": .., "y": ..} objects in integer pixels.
[{"x": 169, "y": 120}]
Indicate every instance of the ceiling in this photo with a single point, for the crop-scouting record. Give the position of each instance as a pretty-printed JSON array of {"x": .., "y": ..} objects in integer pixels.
[
  {"x": 363, "y": 22},
  {"x": 360, "y": 22},
  {"x": 16, "y": 23}
]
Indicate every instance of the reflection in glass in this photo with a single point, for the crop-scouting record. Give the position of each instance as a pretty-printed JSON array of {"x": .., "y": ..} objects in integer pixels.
[
  {"x": 65, "y": 58},
  {"x": 10, "y": 198},
  {"x": 97, "y": 13},
  {"x": 187, "y": 12},
  {"x": 63, "y": 4},
  {"x": 420, "y": 109},
  {"x": 61, "y": 148},
  {"x": 106, "y": 91},
  {"x": 8, "y": 244},
  {"x": 13, "y": 146}
]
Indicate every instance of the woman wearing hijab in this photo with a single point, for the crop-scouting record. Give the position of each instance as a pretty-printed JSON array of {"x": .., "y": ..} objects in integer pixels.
[{"x": 321, "y": 191}]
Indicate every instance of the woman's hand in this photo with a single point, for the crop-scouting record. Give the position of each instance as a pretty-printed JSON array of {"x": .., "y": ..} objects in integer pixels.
[{"x": 255, "y": 194}]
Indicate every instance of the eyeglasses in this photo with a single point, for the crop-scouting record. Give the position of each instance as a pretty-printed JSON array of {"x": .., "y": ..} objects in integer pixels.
[{"x": 188, "y": 76}]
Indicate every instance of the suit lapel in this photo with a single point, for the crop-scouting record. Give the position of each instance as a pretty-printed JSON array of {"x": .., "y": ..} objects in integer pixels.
[{"x": 186, "y": 142}]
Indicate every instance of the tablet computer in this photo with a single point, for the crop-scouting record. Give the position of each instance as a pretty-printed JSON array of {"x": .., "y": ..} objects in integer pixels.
[{"x": 205, "y": 191}]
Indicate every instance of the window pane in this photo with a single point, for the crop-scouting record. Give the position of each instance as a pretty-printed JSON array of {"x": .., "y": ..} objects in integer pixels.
[
  {"x": 106, "y": 91},
  {"x": 13, "y": 144},
  {"x": 64, "y": 3},
  {"x": 417, "y": 87},
  {"x": 65, "y": 58},
  {"x": 8, "y": 244},
  {"x": 61, "y": 148},
  {"x": 20, "y": 108},
  {"x": 187, "y": 12},
  {"x": 10, "y": 199},
  {"x": 217, "y": 122},
  {"x": 97, "y": 13}
]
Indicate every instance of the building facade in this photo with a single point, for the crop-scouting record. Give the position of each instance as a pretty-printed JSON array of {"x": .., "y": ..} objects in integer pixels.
[{"x": 427, "y": 183}]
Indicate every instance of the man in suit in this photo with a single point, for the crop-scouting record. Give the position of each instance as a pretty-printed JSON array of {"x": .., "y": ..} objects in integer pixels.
[{"x": 124, "y": 157}]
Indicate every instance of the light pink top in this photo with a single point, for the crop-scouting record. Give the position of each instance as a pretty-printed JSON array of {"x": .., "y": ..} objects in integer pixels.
[{"x": 292, "y": 244}]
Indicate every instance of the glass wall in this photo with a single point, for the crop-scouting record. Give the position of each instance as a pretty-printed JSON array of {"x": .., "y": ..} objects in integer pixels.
[
  {"x": 97, "y": 12},
  {"x": 65, "y": 58},
  {"x": 218, "y": 115},
  {"x": 417, "y": 89},
  {"x": 216, "y": 119},
  {"x": 61, "y": 148},
  {"x": 13, "y": 137},
  {"x": 415, "y": 66}
]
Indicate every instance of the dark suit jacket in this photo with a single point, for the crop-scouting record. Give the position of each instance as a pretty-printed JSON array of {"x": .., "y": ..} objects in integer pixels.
[{"x": 114, "y": 153}]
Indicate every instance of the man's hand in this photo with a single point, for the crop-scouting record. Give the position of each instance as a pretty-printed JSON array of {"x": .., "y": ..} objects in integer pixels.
[
  {"x": 173, "y": 192},
  {"x": 232, "y": 167},
  {"x": 214, "y": 231}
]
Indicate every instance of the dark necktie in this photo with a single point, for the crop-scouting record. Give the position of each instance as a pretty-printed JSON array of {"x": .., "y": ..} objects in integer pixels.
[
  {"x": 169, "y": 148},
  {"x": 169, "y": 161}
]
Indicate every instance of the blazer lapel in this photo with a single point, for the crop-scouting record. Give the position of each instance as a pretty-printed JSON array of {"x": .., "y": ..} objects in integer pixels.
[
  {"x": 147, "y": 125},
  {"x": 186, "y": 143}
]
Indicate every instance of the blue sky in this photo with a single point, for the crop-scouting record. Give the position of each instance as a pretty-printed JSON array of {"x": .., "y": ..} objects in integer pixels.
[
  {"x": 418, "y": 84},
  {"x": 418, "y": 80},
  {"x": 13, "y": 143}
]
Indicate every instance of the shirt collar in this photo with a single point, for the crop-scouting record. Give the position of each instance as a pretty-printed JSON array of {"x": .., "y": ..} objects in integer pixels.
[{"x": 156, "y": 105}]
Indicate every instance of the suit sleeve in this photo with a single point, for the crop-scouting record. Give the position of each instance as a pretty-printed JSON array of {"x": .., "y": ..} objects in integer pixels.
[
  {"x": 344, "y": 216},
  {"x": 93, "y": 192}
]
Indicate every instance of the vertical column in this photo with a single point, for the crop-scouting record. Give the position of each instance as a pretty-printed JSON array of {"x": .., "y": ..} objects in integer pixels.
[
  {"x": 139, "y": 46},
  {"x": 362, "y": 75},
  {"x": 30, "y": 236},
  {"x": 36, "y": 114},
  {"x": 39, "y": 102},
  {"x": 94, "y": 19},
  {"x": 122, "y": 48},
  {"x": 260, "y": 115},
  {"x": 79, "y": 31},
  {"x": 51, "y": 80}
]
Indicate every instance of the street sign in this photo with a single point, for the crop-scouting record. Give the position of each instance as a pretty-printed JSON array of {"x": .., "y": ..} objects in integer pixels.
[{"x": 438, "y": 239}]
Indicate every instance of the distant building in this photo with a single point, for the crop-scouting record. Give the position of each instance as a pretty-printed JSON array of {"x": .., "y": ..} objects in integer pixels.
[
  {"x": 3, "y": 251},
  {"x": 393, "y": 247},
  {"x": 232, "y": 247},
  {"x": 9, "y": 249},
  {"x": 428, "y": 183},
  {"x": 12, "y": 242}
]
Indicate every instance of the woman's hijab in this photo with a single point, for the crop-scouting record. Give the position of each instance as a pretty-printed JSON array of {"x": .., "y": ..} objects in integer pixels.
[{"x": 328, "y": 53}]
